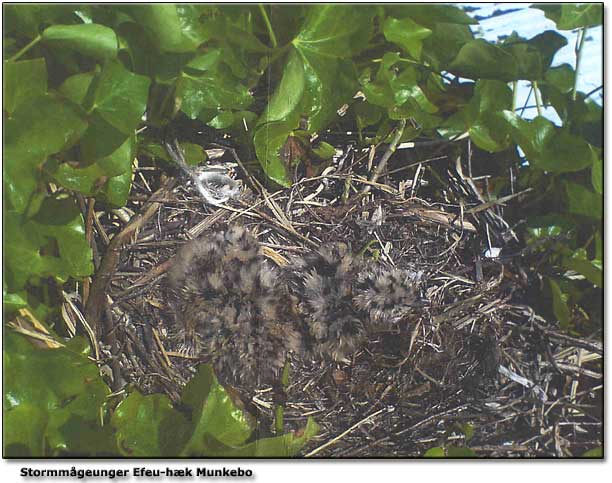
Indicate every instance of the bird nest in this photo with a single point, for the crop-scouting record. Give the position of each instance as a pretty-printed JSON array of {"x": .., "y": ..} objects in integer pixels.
[{"x": 472, "y": 355}]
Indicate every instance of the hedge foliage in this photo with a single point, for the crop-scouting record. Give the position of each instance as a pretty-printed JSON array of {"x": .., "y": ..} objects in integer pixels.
[{"x": 78, "y": 80}]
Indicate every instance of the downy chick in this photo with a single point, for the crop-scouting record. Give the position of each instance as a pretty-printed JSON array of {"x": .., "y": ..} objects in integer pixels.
[
  {"x": 385, "y": 295},
  {"x": 232, "y": 307},
  {"x": 324, "y": 282}
]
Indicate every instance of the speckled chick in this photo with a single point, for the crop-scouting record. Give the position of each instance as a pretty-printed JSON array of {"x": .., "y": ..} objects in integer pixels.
[
  {"x": 323, "y": 281},
  {"x": 232, "y": 307},
  {"x": 385, "y": 295}
]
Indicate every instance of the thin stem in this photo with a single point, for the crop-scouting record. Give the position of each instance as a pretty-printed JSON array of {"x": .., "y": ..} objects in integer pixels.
[
  {"x": 388, "y": 153},
  {"x": 593, "y": 92},
  {"x": 264, "y": 14},
  {"x": 526, "y": 100},
  {"x": 514, "y": 95},
  {"x": 26, "y": 48},
  {"x": 538, "y": 99},
  {"x": 578, "y": 51},
  {"x": 279, "y": 410}
]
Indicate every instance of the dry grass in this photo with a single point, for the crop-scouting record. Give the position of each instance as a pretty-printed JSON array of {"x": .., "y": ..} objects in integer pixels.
[{"x": 475, "y": 354}]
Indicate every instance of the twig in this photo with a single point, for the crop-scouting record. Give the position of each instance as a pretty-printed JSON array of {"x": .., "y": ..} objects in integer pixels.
[
  {"x": 388, "y": 153},
  {"x": 342, "y": 435}
]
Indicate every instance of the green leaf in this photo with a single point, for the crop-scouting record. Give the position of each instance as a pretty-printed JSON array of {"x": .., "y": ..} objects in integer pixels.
[
  {"x": 119, "y": 99},
  {"x": 52, "y": 244},
  {"x": 597, "y": 174},
  {"x": 561, "y": 77},
  {"x": 26, "y": 19},
  {"x": 223, "y": 120},
  {"x": 407, "y": 34},
  {"x": 92, "y": 178},
  {"x": 460, "y": 452},
  {"x": 534, "y": 56},
  {"x": 44, "y": 390},
  {"x": 335, "y": 30},
  {"x": 550, "y": 148},
  {"x": 589, "y": 269},
  {"x": 436, "y": 452},
  {"x": 149, "y": 426},
  {"x": 214, "y": 89},
  {"x": 582, "y": 201},
  {"x": 570, "y": 16},
  {"x": 13, "y": 301},
  {"x": 593, "y": 453},
  {"x": 77, "y": 86},
  {"x": 560, "y": 308},
  {"x": 479, "y": 59},
  {"x": 283, "y": 446},
  {"x": 92, "y": 40},
  {"x": 39, "y": 127},
  {"x": 173, "y": 27},
  {"x": 213, "y": 413},
  {"x": 23, "y": 80},
  {"x": 23, "y": 430},
  {"x": 431, "y": 13}
]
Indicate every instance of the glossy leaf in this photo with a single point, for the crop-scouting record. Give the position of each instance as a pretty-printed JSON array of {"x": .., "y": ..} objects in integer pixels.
[
  {"x": 77, "y": 86},
  {"x": 481, "y": 59},
  {"x": 44, "y": 390},
  {"x": 149, "y": 426},
  {"x": 436, "y": 452},
  {"x": 39, "y": 127},
  {"x": 582, "y": 201},
  {"x": 571, "y": 16},
  {"x": 560, "y": 308},
  {"x": 92, "y": 40},
  {"x": 118, "y": 101},
  {"x": 23, "y": 81},
  {"x": 407, "y": 34},
  {"x": 28, "y": 256},
  {"x": 213, "y": 414},
  {"x": 460, "y": 452},
  {"x": 174, "y": 27}
]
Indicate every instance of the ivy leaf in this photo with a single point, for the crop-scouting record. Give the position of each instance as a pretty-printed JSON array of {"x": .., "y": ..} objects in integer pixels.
[
  {"x": 77, "y": 86},
  {"x": 550, "y": 148},
  {"x": 562, "y": 77},
  {"x": 571, "y": 16},
  {"x": 213, "y": 413},
  {"x": 120, "y": 97},
  {"x": 597, "y": 174},
  {"x": 481, "y": 59},
  {"x": 117, "y": 103},
  {"x": 589, "y": 269},
  {"x": 214, "y": 89},
  {"x": 582, "y": 201},
  {"x": 460, "y": 452},
  {"x": 149, "y": 426},
  {"x": 560, "y": 308},
  {"x": 335, "y": 30},
  {"x": 173, "y": 27},
  {"x": 407, "y": 34},
  {"x": 52, "y": 244},
  {"x": 281, "y": 116},
  {"x": 95, "y": 177},
  {"x": 283, "y": 446},
  {"x": 23, "y": 80},
  {"x": 430, "y": 14},
  {"x": 92, "y": 40},
  {"x": 436, "y": 452},
  {"x": 38, "y": 128},
  {"x": 44, "y": 390}
]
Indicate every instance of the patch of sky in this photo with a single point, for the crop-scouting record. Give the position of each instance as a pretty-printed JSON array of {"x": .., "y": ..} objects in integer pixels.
[{"x": 501, "y": 19}]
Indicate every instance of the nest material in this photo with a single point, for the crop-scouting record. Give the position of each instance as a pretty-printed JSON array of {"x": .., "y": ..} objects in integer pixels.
[{"x": 475, "y": 353}]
